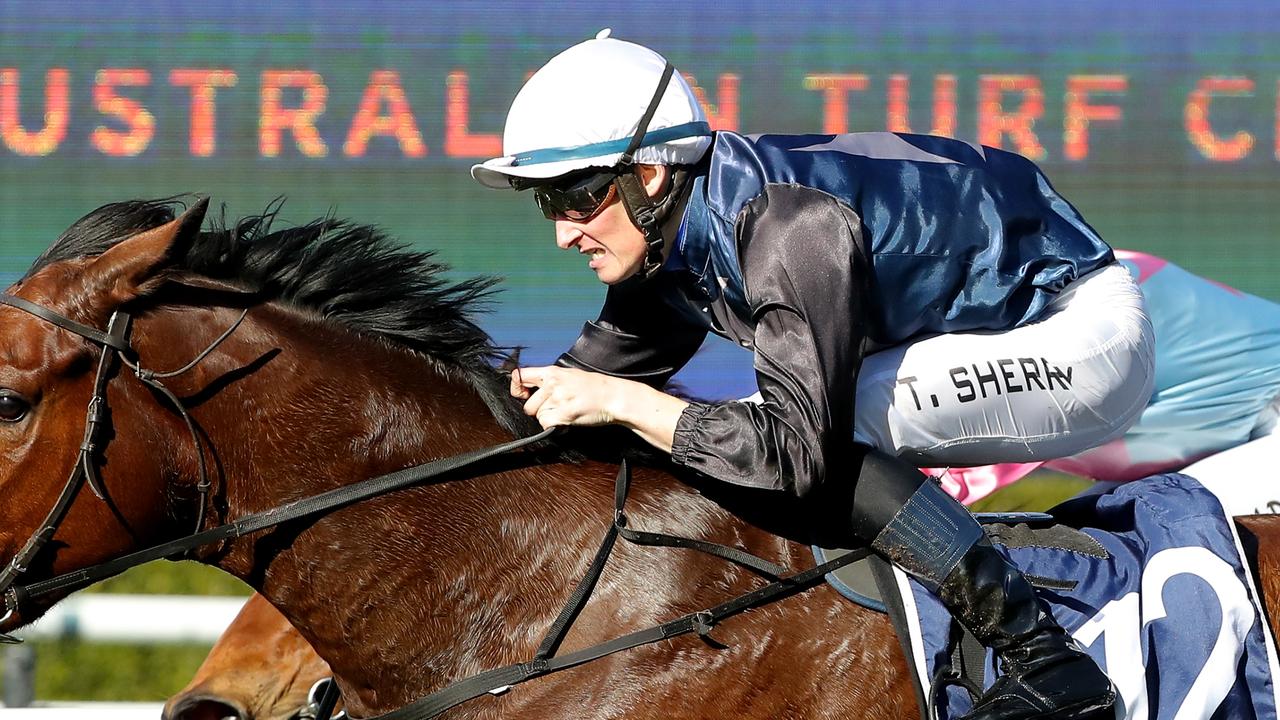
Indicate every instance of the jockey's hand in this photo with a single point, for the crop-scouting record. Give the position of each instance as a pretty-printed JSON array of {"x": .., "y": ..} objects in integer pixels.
[{"x": 567, "y": 396}]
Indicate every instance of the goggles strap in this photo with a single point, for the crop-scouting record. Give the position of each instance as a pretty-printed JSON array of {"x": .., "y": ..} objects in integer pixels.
[
  {"x": 641, "y": 208},
  {"x": 628, "y": 154}
]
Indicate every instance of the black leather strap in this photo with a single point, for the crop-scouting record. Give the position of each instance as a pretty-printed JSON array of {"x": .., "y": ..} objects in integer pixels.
[
  {"x": 757, "y": 565},
  {"x": 578, "y": 599},
  {"x": 84, "y": 470},
  {"x": 639, "y": 206},
  {"x": 643, "y": 126},
  {"x": 306, "y": 507},
  {"x": 97, "y": 336},
  {"x": 115, "y": 344},
  {"x": 560, "y": 627},
  {"x": 499, "y": 680}
]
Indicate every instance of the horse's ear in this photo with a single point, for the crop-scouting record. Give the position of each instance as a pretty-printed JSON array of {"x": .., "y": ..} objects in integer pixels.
[{"x": 136, "y": 266}]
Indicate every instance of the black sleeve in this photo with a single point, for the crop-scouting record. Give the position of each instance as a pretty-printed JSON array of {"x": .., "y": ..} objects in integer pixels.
[
  {"x": 639, "y": 335},
  {"x": 807, "y": 277}
]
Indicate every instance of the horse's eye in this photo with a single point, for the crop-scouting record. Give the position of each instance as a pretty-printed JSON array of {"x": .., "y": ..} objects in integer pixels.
[{"x": 12, "y": 406}]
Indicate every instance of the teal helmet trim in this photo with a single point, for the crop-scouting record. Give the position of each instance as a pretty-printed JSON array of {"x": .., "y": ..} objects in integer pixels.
[{"x": 608, "y": 147}]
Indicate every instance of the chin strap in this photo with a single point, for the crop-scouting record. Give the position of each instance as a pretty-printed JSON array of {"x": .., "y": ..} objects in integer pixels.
[{"x": 644, "y": 213}]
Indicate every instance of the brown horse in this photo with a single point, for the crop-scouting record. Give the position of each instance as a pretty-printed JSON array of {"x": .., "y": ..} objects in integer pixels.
[
  {"x": 354, "y": 360},
  {"x": 260, "y": 669}
]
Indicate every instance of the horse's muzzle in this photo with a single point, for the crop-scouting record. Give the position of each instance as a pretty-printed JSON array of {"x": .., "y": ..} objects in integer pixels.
[{"x": 205, "y": 707}]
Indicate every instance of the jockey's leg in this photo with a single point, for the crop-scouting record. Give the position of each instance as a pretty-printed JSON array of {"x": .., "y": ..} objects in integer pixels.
[
  {"x": 1076, "y": 378},
  {"x": 915, "y": 525}
]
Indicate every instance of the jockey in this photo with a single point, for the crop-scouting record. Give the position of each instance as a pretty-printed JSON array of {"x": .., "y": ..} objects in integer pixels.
[
  {"x": 1212, "y": 414},
  {"x": 813, "y": 251}
]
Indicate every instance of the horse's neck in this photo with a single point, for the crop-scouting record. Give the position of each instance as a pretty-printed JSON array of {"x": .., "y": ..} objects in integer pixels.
[
  {"x": 435, "y": 583},
  {"x": 423, "y": 584}
]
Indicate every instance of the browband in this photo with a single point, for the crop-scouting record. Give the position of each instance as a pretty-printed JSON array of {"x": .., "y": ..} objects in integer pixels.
[{"x": 97, "y": 336}]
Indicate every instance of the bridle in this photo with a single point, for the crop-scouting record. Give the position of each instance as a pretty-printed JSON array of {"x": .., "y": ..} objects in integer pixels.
[
  {"x": 546, "y": 660},
  {"x": 115, "y": 346}
]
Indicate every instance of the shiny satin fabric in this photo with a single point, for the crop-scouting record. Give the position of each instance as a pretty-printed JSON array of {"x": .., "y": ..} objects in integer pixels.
[
  {"x": 814, "y": 250},
  {"x": 962, "y": 237}
]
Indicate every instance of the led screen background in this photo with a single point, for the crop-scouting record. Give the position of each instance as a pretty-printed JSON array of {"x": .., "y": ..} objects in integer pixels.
[{"x": 1158, "y": 120}]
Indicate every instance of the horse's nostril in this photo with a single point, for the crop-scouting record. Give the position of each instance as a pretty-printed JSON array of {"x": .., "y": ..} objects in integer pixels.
[{"x": 206, "y": 708}]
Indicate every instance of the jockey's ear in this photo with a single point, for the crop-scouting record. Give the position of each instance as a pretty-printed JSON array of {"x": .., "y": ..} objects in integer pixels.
[
  {"x": 654, "y": 178},
  {"x": 136, "y": 266}
]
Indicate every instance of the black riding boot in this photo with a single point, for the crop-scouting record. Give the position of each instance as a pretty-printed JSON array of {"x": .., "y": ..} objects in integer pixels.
[
  {"x": 1046, "y": 675},
  {"x": 935, "y": 539}
]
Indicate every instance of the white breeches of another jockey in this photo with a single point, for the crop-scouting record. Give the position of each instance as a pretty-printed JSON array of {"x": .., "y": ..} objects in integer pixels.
[
  {"x": 1076, "y": 378},
  {"x": 1245, "y": 478}
]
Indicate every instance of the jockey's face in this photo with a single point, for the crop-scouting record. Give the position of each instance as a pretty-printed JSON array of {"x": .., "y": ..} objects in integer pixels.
[{"x": 614, "y": 246}]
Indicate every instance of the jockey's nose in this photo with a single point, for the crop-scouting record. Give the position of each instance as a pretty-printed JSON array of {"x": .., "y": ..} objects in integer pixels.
[{"x": 567, "y": 234}]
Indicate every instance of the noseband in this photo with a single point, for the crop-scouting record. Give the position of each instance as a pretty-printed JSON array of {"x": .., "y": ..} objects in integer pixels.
[{"x": 115, "y": 345}]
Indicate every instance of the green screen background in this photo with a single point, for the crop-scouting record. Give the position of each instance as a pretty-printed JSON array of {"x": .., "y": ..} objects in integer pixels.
[{"x": 1143, "y": 184}]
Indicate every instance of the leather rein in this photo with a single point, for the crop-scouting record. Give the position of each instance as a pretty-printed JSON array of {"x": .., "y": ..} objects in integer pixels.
[{"x": 115, "y": 345}]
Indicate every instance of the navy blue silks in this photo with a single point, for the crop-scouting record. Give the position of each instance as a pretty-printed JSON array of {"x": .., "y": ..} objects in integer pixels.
[{"x": 961, "y": 237}]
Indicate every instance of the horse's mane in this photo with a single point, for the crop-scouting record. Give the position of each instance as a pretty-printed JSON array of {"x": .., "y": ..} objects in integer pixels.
[{"x": 345, "y": 272}]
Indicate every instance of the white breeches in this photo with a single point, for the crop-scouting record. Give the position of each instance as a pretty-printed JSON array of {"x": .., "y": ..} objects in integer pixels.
[
  {"x": 1076, "y": 378},
  {"x": 1245, "y": 478}
]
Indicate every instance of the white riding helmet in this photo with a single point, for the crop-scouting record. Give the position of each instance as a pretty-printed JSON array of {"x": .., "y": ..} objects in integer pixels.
[{"x": 581, "y": 109}]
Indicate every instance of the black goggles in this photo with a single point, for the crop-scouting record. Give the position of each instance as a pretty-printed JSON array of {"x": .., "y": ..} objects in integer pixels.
[{"x": 577, "y": 198}]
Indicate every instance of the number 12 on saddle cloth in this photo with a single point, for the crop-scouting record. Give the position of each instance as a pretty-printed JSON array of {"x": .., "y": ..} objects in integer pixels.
[{"x": 1162, "y": 600}]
